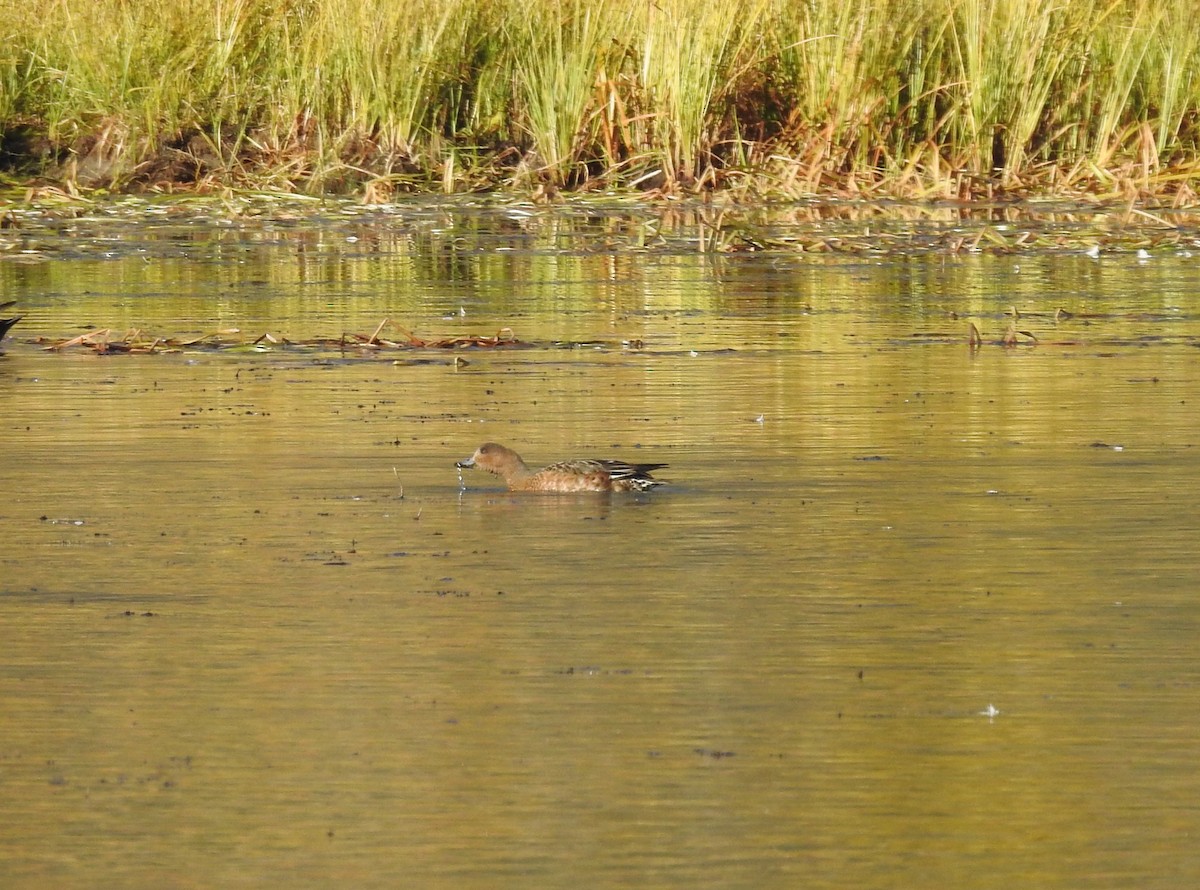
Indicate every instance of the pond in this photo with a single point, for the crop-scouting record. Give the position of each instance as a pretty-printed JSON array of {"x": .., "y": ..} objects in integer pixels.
[{"x": 909, "y": 611}]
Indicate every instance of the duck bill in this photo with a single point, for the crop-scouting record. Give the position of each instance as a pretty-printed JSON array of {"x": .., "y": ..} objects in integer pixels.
[{"x": 468, "y": 464}]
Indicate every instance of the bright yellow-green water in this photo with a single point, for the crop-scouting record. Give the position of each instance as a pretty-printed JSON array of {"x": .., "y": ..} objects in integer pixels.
[{"x": 254, "y": 634}]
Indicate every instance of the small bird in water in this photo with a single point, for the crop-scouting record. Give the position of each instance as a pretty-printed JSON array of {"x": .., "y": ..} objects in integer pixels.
[{"x": 568, "y": 475}]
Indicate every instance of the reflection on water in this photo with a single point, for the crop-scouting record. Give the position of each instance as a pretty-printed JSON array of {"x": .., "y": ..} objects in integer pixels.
[{"x": 255, "y": 633}]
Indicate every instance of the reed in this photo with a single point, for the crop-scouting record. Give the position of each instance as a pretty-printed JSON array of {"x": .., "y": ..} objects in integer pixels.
[
  {"x": 557, "y": 50},
  {"x": 912, "y": 97},
  {"x": 1005, "y": 59},
  {"x": 691, "y": 58}
]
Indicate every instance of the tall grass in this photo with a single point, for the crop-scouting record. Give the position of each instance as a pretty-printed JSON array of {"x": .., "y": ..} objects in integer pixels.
[
  {"x": 914, "y": 96},
  {"x": 857, "y": 82},
  {"x": 1007, "y": 57},
  {"x": 691, "y": 58},
  {"x": 556, "y": 50}
]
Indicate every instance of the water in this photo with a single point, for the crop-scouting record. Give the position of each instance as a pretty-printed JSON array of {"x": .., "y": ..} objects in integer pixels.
[{"x": 910, "y": 613}]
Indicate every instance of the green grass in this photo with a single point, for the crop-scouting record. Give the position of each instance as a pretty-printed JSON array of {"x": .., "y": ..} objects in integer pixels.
[{"x": 781, "y": 97}]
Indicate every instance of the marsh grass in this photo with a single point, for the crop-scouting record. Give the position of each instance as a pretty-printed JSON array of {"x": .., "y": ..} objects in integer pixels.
[
  {"x": 918, "y": 98},
  {"x": 557, "y": 51}
]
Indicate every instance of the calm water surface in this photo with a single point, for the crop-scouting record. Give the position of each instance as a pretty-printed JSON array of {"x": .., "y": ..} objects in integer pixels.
[{"x": 909, "y": 614}]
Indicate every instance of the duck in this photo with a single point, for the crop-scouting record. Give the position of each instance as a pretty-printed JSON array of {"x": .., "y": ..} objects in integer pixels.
[{"x": 580, "y": 474}]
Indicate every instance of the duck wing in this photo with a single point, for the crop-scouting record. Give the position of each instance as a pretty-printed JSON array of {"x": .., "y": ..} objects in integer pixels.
[{"x": 615, "y": 469}]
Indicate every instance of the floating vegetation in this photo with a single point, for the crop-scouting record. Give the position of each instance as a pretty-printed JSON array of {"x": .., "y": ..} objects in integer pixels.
[
  {"x": 1014, "y": 337},
  {"x": 105, "y": 341},
  {"x": 45, "y": 228}
]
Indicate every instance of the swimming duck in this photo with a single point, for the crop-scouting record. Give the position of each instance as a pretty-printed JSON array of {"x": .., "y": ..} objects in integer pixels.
[{"x": 568, "y": 475}]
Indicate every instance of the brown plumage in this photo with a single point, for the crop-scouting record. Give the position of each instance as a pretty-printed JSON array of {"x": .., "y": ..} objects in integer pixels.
[{"x": 568, "y": 475}]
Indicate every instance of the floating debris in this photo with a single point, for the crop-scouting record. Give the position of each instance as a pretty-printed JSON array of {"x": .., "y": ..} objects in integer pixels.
[
  {"x": 105, "y": 341},
  {"x": 714, "y": 753},
  {"x": 1012, "y": 335}
]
